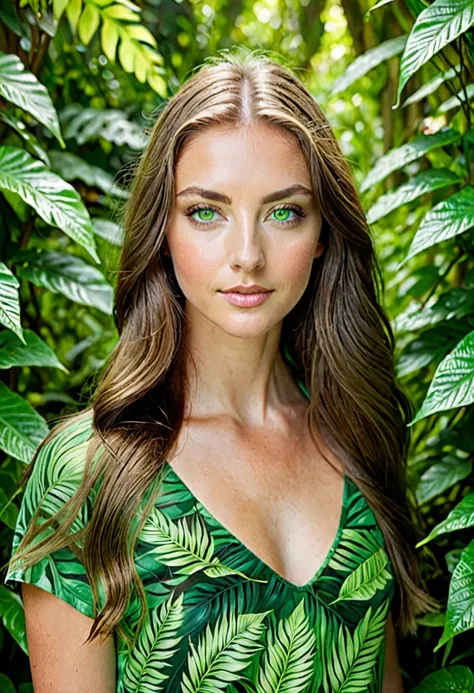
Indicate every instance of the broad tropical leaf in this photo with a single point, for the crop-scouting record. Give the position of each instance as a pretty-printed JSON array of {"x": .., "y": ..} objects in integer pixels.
[
  {"x": 21, "y": 427},
  {"x": 370, "y": 576},
  {"x": 460, "y": 517},
  {"x": 108, "y": 230},
  {"x": 441, "y": 476},
  {"x": 222, "y": 652},
  {"x": 145, "y": 670},
  {"x": 34, "y": 352},
  {"x": 10, "y": 302},
  {"x": 288, "y": 661},
  {"x": 355, "y": 546},
  {"x": 68, "y": 275},
  {"x": 447, "y": 219},
  {"x": 57, "y": 202},
  {"x": 457, "y": 99},
  {"x": 423, "y": 183},
  {"x": 21, "y": 87},
  {"x": 453, "y": 382},
  {"x": 368, "y": 60},
  {"x": 460, "y": 609},
  {"x": 13, "y": 616},
  {"x": 435, "y": 27},
  {"x": 72, "y": 167},
  {"x": 398, "y": 157},
  {"x": 454, "y": 679}
]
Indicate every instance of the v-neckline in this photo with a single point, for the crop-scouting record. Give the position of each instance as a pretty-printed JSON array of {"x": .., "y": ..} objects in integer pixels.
[
  {"x": 342, "y": 518},
  {"x": 342, "y": 515}
]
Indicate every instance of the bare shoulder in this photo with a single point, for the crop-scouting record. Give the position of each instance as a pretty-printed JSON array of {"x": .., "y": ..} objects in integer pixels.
[{"x": 59, "y": 660}]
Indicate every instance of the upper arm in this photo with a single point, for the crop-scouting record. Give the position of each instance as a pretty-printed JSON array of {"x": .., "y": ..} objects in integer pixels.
[
  {"x": 392, "y": 681},
  {"x": 59, "y": 660}
]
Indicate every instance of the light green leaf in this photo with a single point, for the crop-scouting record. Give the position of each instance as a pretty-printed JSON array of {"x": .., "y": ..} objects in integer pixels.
[
  {"x": 370, "y": 576},
  {"x": 460, "y": 609},
  {"x": 88, "y": 23},
  {"x": 21, "y": 427},
  {"x": 460, "y": 517},
  {"x": 398, "y": 157},
  {"x": 11, "y": 119},
  {"x": 351, "y": 665},
  {"x": 453, "y": 382},
  {"x": 10, "y": 302},
  {"x": 109, "y": 230},
  {"x": 368, "y": 60},
  {"x": 456, "y": 100},
  {"x": 439, "y": 477},
  {"x": 222, "y": 652},
  {"x": 431, "y": 86},
  {"x": 354, "y": 547},
  {"x": 423, "y": 183},
  {"x": 435, "y": 27},
  {"x": 145, "y": 668},
  {"x": 449, "y": 218},
  {"x": 455, "y": 679},
  {"x": 287, "y": 663},
  {"x": 13, "y": 616},
  {"x": 57, "y": 202},
  {"x": 34, "y": 352},
  {"x": 68, "y": 275},
  {"x": 21, "y": 87},
  {"x": 109, "y": 36}
]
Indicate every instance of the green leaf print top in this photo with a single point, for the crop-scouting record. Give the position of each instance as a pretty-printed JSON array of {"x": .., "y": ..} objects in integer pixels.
[{"x": 219, "y": 618}]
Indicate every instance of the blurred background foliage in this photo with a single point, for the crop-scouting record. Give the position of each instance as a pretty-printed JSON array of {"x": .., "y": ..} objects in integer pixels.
[{"x": 81, "y": 83}]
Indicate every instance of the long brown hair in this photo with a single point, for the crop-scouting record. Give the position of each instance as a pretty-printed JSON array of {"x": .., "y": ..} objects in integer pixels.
[{"x": 338, "y": 337}]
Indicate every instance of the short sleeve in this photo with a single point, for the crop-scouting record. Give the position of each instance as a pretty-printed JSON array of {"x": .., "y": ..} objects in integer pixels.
[{"x": 57, "y": 474}]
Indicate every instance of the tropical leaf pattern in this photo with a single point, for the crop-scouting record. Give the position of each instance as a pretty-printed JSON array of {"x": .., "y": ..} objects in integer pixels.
[{"x": 219, "y": 618}]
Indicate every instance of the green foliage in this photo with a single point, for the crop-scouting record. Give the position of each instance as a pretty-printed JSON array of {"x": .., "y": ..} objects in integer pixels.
[{"x": 89, "y": 75}]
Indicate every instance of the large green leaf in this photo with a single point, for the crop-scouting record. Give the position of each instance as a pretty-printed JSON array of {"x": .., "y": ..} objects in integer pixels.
[
  {"x": 460, "y": 517},
  {"x": 11, "y": 119},
  {"x": 8, "y": 509},
  {"x": 13, "y": 617},
  {"x": 68, "y": 275},
  {"x": 368, "y": 60},
  {"x": 6, "y": 684},
  {"x": 21, "y": 87},
  {"x": 430, "y": 346},
  {"x": 431, "y": 86},
  {"x": 10, "y": 302},
  {"x": 460, "y": 609},
  {"x": 441, "y": 476},
  {"x": 86, "y": 124},
  {"x": 222, "y": 652},
  {"x": 370, "y": 576},
  {"x": 109, "y": 230},
  {"x": 34, "y": 352},
  {"x": 453, "y": 382},
  {"x": 56, "y": 201},
  {"x": 423, "y": 183},
  {"x": 145, "y": 670},
  {"x": 21, "y": 427},
  {"x": 410, "y": 151},
  {"x": 447, "y": 219},
  {"x": 455, "y": 679},
  {"x": 435, "y": 27},
  {"x": 288, "y": 661},
  {"x": 454, "y": 304}
]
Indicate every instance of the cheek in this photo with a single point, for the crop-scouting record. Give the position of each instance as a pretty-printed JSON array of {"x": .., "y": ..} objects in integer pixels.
[
  {"x": 296, "y": 264},
  {"x": 193, "y": 264}
]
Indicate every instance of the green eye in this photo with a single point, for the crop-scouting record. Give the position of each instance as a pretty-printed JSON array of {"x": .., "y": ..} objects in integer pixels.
[
  {"x": 282, "y": 214},
  {"x": 205, "y": 214}
]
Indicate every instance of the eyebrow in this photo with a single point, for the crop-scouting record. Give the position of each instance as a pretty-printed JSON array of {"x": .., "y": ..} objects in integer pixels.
[{"x": 296, "y": 189}]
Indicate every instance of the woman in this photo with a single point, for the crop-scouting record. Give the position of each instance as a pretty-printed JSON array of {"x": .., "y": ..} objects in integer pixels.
[{"x": 245, "y": 525}]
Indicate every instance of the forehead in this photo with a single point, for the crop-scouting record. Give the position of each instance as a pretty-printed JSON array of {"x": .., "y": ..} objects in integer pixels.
[{"x": 257, "y": 154}]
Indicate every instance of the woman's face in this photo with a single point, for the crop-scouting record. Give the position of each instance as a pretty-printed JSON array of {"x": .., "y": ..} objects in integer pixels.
[{"x": 230, "y": 232}]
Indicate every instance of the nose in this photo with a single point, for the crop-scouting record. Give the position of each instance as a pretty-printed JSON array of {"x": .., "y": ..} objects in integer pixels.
[{"x": 246, "y": 247}]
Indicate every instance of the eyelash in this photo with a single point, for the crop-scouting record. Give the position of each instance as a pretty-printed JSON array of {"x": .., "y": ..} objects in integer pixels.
[{"x": 294, "y": 208}]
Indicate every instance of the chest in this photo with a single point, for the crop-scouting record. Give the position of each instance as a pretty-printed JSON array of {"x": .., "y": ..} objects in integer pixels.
[{"x": 275, "y": 493}]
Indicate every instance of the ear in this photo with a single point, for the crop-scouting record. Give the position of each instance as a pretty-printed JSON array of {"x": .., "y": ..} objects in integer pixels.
[{"x": 319, "y": 250}]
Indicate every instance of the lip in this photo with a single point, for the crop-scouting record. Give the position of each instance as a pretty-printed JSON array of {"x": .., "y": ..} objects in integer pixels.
[
  {"x": 246, "y": 300},
  {"x": 245, "y": 289}
]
